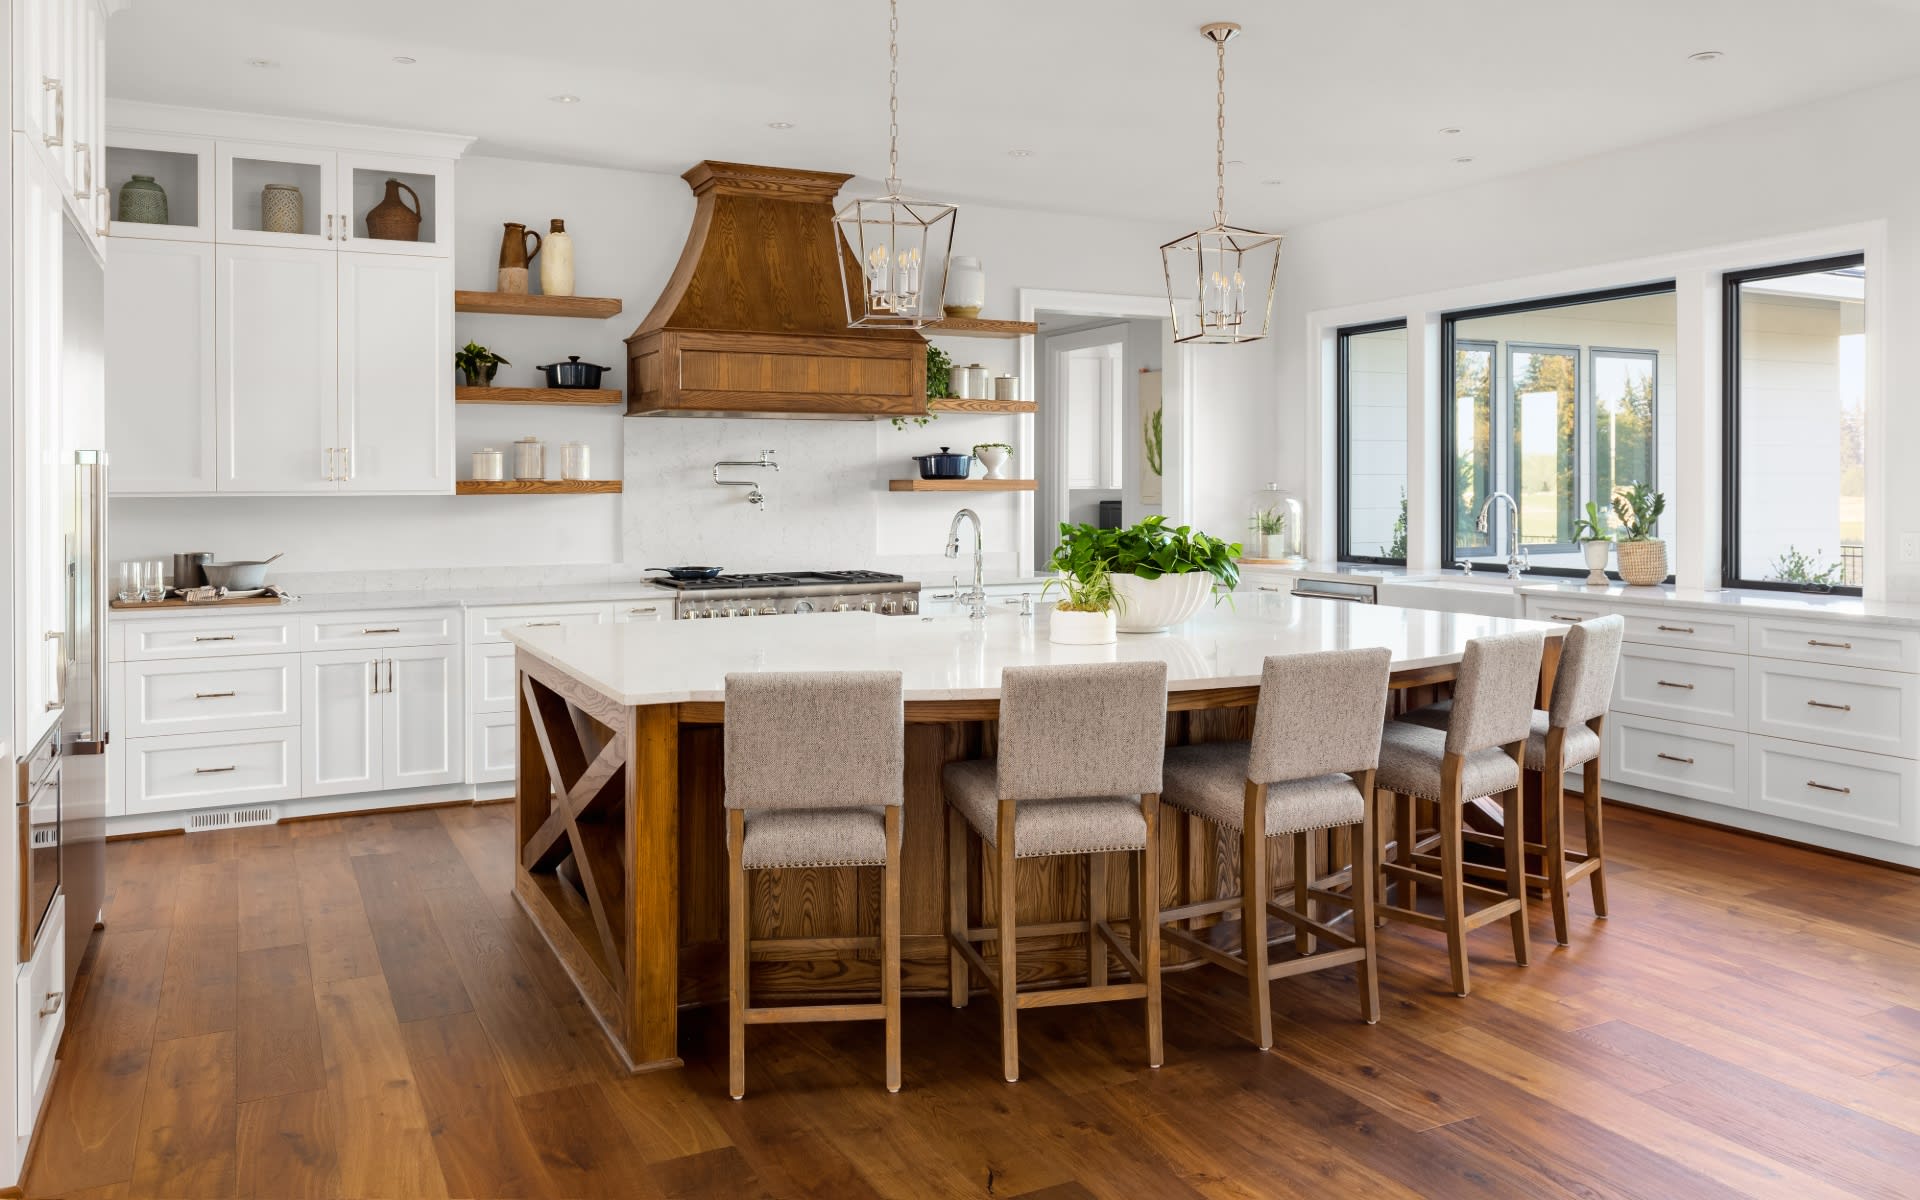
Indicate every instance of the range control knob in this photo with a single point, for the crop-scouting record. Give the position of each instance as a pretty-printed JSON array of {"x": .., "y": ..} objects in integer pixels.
[
  {"x": 889, "y": 607},
  {"x": 870, "y": 606},
  {"x": 769, "y": 611},
  {"x": 910, "y": 605},
  {"x": 843, "y": 606}
]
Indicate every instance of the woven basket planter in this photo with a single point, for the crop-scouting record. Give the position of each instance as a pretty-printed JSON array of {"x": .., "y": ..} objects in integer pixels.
[{"x": 1642, "y": 564}]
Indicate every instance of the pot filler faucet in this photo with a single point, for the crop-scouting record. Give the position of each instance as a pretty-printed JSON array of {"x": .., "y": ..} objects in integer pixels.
[
  {"x": 754, "y": 497},
  {"x": 976, "y": 596},
  {"x": 1516, "y": 553}
]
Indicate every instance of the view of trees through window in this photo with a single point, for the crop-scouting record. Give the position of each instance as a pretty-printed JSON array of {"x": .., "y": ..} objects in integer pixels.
[{"x": 1373, "y": 448}]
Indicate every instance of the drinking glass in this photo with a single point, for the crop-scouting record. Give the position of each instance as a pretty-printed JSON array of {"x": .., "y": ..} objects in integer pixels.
[
  {"x": 155, "y": 585},
  {"x": 129, "y": 582}
]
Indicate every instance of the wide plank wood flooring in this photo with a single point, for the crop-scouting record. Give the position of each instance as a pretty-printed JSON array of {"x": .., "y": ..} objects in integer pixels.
[{"x": 355, "y": 1008}]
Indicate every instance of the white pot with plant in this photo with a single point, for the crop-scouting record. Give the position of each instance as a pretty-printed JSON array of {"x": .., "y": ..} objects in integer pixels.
[
  {"x": 994, "y": 456},
  {"x": 1085, "y": 614},
  {"x": 1270, "y": 527},
  {"x": 1642, "y": 555},
  {"x": 1591, "y": 532},
  {"x": 1160, "y": 576}
]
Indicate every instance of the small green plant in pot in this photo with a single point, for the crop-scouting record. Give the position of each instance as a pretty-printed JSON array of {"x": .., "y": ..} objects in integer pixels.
[
  {"x": 1084, "y": 615},
  {"x": 1161, "y": 576},
  {"x": 994, "y": 456},
  {"x": 478, "y": 364},
  {"x": 1591, "y": 532},
  {"x": 1641, "y": 553}
]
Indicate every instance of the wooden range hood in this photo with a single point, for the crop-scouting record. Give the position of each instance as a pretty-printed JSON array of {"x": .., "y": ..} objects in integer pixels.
[{"x": 754, "y": 323}]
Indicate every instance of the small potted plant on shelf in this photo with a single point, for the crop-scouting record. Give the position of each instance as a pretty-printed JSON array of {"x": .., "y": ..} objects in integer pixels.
[
  {"x": 477, "y": 364},
  {"x": 1161, "y": 576},
  {"x": 993, "y": 456},
  {"x": 1591, "y": 532},
  {"x": 1641, "y": 554},
  {"x": 1084, "y": 616}
]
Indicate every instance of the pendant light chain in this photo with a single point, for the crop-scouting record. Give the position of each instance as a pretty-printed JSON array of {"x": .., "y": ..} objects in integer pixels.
[
  {"x": 893, "y": 97},
  {"x": 1220, "y": 134}
]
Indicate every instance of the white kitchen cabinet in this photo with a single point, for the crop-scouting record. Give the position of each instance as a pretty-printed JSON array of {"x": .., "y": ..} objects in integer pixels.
[
  {"x": 422, "y": 715},
  {"x": 244, "y": 170},
  {"x": 206, "y": 770},
  {"x": 181, "y": 165},
  {"x": 341, "y": 724},
  {"x": 40, "y": 1016},
  {"x": 381, "y": 721},
  {"x": 39, "y": 99},
  {"x": 362, "y": 184},
  {"x": 277, "y": 380},
  {"x": 58, "y": 71},
  {"x": 160, "y": 366},
  {"x": 40, "y": 618},
  {"x": 396, "y": 373}
]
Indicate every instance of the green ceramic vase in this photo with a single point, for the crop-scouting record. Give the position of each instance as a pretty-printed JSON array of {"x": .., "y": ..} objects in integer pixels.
[{"x": 143, "y": 202}]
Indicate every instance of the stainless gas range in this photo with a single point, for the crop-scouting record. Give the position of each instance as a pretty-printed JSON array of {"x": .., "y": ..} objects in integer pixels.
[{"x": 793, "y": 592}]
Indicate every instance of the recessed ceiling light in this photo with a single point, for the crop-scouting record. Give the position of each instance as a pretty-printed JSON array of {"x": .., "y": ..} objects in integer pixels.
[
  {"x": 262, "y": 62},
  {"x": 779, "y": 124},
  {"x": 1019, "y": 154},
  {"x": 1706, "y": 56},
  {"x": 1450, "y": 130},
  {"x": 565, "y": 99},
  {"x": 1464, "y": 159},
  {"x": 404, "y": 61}
]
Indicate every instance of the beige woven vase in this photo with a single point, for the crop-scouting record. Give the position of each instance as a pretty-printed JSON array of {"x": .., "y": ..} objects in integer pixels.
[{"x": 1642, "y": 564}]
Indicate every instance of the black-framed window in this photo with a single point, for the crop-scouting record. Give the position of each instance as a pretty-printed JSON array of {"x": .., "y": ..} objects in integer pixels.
[
  {"x": 1556, "y": 402},
  {"x": 1371, "y": 416},
  {"x": 1795, "y": 426}
]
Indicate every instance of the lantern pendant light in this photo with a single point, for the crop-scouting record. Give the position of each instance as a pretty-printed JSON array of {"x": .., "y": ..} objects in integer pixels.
[
  {"x": 1220, "y": 279},
  {"x": 894, "y": 251}
]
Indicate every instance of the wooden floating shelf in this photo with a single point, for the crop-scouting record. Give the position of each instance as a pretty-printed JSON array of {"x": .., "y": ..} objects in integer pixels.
[
  {"x": 535, "y": 306},
  {"x": 519, "y": 395},
  {"x": 954, "y": 405},
  {"x": 959, "y": 485},
  {"x": 536, "y": 487},
  {"x": 977, "y": 327}
]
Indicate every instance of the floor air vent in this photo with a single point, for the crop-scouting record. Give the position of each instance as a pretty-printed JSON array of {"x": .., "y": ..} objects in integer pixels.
[{"x": 232, "y": 817}]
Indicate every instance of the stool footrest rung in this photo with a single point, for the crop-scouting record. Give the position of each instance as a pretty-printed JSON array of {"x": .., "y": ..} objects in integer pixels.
[{"x": 804, "y": 1013}]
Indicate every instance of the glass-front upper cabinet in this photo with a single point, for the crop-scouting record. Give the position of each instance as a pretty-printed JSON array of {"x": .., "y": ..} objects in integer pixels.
[
  {"x": 276, "y": 195},
  {"x": 159, "y": 186},
  {"x": 396, "y": 204}
]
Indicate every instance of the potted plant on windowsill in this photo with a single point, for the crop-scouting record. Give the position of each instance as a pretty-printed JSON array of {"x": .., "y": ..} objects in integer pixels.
[
  {"x": 1591, "y": 532},
  {"x": 1161, "y": 576},
  {"x": 1084, "y": 616},
  {"x": 1642, "y": 556},
  {"x": 478, "y": 364}
]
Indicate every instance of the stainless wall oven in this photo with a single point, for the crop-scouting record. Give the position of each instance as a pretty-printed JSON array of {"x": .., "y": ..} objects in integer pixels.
[{"x": 37, "y": 815}]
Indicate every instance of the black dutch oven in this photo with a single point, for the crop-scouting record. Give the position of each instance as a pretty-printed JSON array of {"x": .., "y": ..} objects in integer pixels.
[
  {"x": 944, "y": 465},
  {"x": 572, "y": 374}
]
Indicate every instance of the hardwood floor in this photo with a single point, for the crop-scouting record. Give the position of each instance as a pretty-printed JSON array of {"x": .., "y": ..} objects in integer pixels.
[{"x": 356, "y": 1008}]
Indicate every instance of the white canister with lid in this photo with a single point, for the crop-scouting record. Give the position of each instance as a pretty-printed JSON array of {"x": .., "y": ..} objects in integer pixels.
[
  {"x": 529, "y": 459},
  {"x": 971, "y": 382},
  {"x": 575, "y": 461},
  {"x": 489, "y": 464},
  {"x": 1006, "y": 387}
]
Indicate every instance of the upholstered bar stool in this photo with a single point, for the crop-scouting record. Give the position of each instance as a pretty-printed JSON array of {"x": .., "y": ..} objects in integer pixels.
[
  {"x": 815, "y": 776},
  {"x": 1567, "y": 734},
  {"x": 1477, "y": 754},
  {"x": 1309, "y": 767},
  {"x": 1078, "y": 773}
]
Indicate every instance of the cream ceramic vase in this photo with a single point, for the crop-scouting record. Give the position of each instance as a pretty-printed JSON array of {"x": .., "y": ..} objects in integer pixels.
[
  {"x": 1152, "y": 605},
  {"x": 994, "y": 459},
  {"x": 1596, "y": 553},
  {"x": 966, "y": 287},
  {"x": 1081, "y": 628},
  {"x": 556, "y": 261}
]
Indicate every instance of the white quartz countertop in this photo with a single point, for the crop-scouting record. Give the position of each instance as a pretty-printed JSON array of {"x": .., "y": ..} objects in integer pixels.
[
  {"x": 953, "y": 658},
  {"x": 1754, "y": 602},
  {"x": 323, "y": 602}
]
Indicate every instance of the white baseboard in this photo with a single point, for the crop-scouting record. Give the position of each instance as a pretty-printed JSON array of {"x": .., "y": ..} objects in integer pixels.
[{"x": 286, "y": 810}]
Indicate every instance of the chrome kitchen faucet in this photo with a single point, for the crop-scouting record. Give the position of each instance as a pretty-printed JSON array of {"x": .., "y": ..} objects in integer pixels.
[
  {"x": 754, "y": 497},
  {"x": 976, "y": 597}
]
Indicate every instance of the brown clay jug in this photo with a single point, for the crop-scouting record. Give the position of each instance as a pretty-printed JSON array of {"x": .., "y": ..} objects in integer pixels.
[
  {"x": 514, "y": 257},
  {"x": 392, "y": 219}
]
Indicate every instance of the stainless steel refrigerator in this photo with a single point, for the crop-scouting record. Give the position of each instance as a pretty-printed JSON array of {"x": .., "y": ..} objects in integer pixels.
[{"x": 83, "y": 724}]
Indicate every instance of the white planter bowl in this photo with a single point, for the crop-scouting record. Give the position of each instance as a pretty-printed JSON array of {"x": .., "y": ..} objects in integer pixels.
[
  {"x": 994, "y": 459},
  {"x": 1151, "y": 605},
  {"x": 1080, "y": 628},
  {"x": 1596, "y": 556}
]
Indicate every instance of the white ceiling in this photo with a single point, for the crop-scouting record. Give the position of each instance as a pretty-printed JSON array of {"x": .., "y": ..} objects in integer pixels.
[{"x": 1339, "y": 100}]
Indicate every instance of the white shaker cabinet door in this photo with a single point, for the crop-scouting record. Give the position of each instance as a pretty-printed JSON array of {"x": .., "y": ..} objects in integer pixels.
[
  {"x": 423, "y": 716},
  {"x": 44, "y": 481},
  {"x": 341, "y": 724},
  {"x": 396, "y": 375},
  {"x": 278, "y": 376},
  {"x": 160, "y": 366}
]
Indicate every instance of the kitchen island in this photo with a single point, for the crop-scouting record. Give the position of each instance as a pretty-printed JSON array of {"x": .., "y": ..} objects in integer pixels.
[{"x": 621, "y": 833}]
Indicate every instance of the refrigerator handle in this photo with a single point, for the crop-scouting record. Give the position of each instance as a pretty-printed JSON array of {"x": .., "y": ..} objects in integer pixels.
[{"x": 100, "y": 609}]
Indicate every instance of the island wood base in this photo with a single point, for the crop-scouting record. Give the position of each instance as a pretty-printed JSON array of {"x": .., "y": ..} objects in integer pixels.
[{"x": 622, "y": 844}]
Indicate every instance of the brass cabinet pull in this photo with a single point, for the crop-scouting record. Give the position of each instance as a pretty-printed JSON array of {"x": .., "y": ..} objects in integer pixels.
[
  {"x": 213, "y": 770},
  {"x": 52, "y": 1004},
  {"x": 1565, "y": 617},
  {"x": 1835, "y": 707},
  {"x": 395, "y": 629},
  {"x": 1829, "y": 645},
  {"x": 651, "y": 608},
  {"x": 541, "y": 625},
  {"x": 213, "y": 637},
  {"x": 329, "y": 226},
  {"x": 1674, "y": 628},
  {"x": 1667, "y": 683},
  {"x": 1827, "y": 787},
  {"x": 1674, "y": 758},
  {"x": 59, "y": 135},
  {"x": 213, "y": 695}
]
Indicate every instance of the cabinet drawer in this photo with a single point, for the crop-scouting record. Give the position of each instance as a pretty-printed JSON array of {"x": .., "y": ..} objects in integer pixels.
[
  {"x": 1842, "y": 645},
  {"x": 363, "y": 630},
  {"x": 1837, "y": 706},
  {"x": 490, "y": 686},
  {"x": 1566, "y": 612},
  {"x": 208, "y": 637},
  {"x": 1682, "y": 760},
  {"x": 1696, "y": 686},
  {"x": 40, "y": 1014},
  {"x": 1692, "y": 629},
  {"x": 195, "y": 770},
  {"x": 493, "y": 746},
  {"x": 199, "y": 696},
  {"x": 655, "y": 608},
  {"x": 491, "y": 625},
  {"x": 1841, "y": 789}
]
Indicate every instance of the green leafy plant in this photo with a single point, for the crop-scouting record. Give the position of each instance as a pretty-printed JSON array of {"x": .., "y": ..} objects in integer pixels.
[
  {"x": 1155, "y": 439},
  {"x": 477, "y": 363},
  {"x": 1148, "y": 550},
  {"x": 1270, "y": 521},
  {"x": 939, "y": 386},
  {"x": 1794, "y": 566},
  {"x": 1398, "y": 547},
  {"x": 1593, "y": 526},
  {"x": 1091, "y": 594},
  {"x": 979, "y": 446},
  {"x": 1638, "y": 510}
]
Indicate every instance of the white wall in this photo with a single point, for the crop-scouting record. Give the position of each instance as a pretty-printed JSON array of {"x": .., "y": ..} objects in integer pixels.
[
  {"x": 827, "y": 505},
  {"x": 1776, "y": 176}
]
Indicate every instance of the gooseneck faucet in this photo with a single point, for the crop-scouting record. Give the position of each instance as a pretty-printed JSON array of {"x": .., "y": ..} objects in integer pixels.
[
  {"x": 976, "y": 597},
  {"x": 1516, "y": 553}
]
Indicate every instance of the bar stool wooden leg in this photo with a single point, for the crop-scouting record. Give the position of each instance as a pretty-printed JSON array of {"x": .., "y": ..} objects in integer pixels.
[
  {"x": 1147, "y": 901},
  {"x": 1303, "y": 888},
  {"x": 890, "y": 945},
  {"x": 1513, "y": 814},
  {"x": 1009, "y": 974},
  {"x": 1452, "y": 881},
  {"x": 1596, "y": 849},
  {"x": 959, "y": 974},
  {"x": 1406, "y": 834},
  {"x": 736, "y": 955},
  {"x": 1382, "y": 826},
  {"x": 1096, "y": 917},
  {"x": 1553, "y": 824},
  {"x": 1253, "y": 911},
  {"x": 1366, "y": 868}
]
